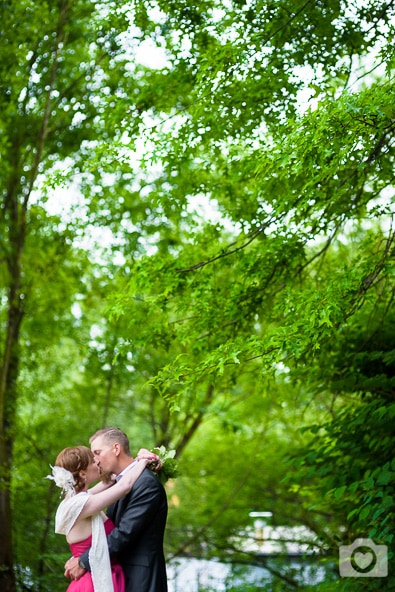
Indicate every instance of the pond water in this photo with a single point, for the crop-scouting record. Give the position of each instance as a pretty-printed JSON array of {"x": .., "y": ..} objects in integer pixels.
[{"x": 194, "y": 575}]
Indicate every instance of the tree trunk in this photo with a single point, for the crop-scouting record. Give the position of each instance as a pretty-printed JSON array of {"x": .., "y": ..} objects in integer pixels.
[
  {"x": 8, "y": 410},
  {"x": 8, "y": 394},
  {"x": 7, "y": 576},
  {"x": 15, "y": 210}
]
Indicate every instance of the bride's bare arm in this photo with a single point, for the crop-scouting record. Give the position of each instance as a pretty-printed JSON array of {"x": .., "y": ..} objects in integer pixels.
[{"x": 100, "y": 501}]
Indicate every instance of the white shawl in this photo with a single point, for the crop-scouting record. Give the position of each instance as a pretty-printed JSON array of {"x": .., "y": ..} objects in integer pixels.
[{"x": 68, "y": 511}]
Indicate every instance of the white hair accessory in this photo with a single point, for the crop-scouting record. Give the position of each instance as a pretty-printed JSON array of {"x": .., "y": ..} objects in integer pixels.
[{"x": 63, "y": 479}]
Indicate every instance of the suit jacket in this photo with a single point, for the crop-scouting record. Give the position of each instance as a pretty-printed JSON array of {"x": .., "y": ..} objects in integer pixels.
[{"x": 137, "y": 539}]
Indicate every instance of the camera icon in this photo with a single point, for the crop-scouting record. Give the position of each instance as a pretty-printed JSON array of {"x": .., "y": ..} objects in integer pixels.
[{"x": 363, "y": 559}]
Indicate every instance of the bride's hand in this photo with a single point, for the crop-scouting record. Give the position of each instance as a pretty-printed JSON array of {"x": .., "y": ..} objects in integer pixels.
[{"x": 154, "y": 460}]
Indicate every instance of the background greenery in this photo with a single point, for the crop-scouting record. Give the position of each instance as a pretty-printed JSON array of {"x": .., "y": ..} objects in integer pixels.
[{"x": 197, "y": 245}]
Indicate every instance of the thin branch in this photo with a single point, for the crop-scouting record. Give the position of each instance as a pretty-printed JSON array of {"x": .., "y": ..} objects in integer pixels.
[
  {"x": 225, "y": 253},
  {"x": 188, "y": 433}
]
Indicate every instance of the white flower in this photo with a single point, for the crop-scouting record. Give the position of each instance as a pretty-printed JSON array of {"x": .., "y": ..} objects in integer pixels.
[{"x": 63, "y": 479}]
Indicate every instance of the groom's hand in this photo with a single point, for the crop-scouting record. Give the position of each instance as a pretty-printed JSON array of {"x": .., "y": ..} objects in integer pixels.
[{"x": 72, "y": 569}]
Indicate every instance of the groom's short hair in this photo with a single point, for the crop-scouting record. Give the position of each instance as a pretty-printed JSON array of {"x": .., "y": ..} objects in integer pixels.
[{"x": 112, "y": 435}]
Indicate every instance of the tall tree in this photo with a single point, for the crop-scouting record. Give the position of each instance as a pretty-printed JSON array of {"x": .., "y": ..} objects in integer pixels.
[{"x": 61, "y": 77}]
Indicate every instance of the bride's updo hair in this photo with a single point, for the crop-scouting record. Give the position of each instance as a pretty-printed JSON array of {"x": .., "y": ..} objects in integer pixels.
[{"x": 75, "y": 459}]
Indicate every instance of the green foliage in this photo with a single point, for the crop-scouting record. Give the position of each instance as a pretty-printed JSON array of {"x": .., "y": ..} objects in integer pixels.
[
  {"x": 169, "y": 469},
  {"x": 356, "y": 468},
  {"x": 348, "y": 465}
]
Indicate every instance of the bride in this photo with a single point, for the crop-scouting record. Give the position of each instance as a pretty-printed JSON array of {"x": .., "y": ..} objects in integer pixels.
[{"x": 81, "y": 518}]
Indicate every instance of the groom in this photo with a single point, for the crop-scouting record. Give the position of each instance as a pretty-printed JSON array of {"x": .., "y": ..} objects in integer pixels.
[{"x": 139, "y": 518}]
